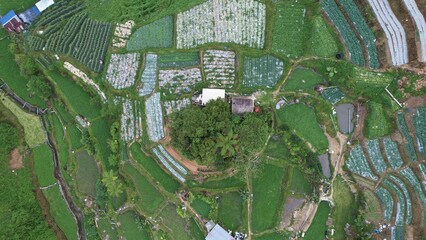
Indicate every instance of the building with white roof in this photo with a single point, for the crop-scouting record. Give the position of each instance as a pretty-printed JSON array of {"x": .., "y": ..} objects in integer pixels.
[
  {"x": 210, "y": 94},
  {"x": 44, "y": 4}
]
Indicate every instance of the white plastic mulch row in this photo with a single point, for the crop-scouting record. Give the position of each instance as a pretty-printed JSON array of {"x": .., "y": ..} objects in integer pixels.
[
  {"x": 176, "y": 105},
  {"x": 400, "y": 205},
  {"x": 172, "y": 161},
  {"x": 357, "y": 163},
  {"x": 419, "y": 20},
  {"x": 387, "y": 202},
  {"x": 376, "y": 156},
  {"x": 167, "y": 165},
  {"x": 404, "y": 188},
  {"x": 225, "y": 21},
  {"x": 395, "y": 34},
  {"x": 411, "y": 177},
  {"x": 149, "y": 75},
  {"x": 154, "y": 118},
  {"x": 179, "y": 80},
  {"x": 219, "y": 67},
  {"x": 131, "y": 121},
  {"x": 392, "y": 152},
  {"x": 122, "y": 70}
]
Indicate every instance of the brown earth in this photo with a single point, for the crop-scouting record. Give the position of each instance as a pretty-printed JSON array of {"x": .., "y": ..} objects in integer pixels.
[
  {"x": 415, "y": 102},
  {"x": 15, "y": 161},
  {"x": 361, "y": 112}
]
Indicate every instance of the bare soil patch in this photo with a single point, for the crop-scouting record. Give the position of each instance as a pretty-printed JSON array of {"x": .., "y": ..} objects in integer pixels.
[
  {"x": 415, "y": 102},
  {"x": 15, "y": 161},
  {"x": 291, "y": 205}
]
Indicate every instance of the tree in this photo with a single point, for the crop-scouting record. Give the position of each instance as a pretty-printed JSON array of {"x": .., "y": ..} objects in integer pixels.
[
  {"x": 37, "y": 86},
  {"x": 28, "y": 66},
  {"x": 88, "y": 141},
  {"x": 227, "y": 143},
  {"x": 253, "y": 132},
  {"x": 114, "y": 187}
]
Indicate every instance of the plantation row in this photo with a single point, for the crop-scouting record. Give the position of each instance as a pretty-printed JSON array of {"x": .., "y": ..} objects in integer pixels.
[
  {"x": 223, "y": 21},
  {"x": 179, "y": 60},
  {"x": 395, "y": 34},
  {"x": 401, "y": 185},
  {"x": 84, "y": 39},
  {"x": 158, "y": 34},
  {"x": 397, "y": 231},
  {"x": 154, "y": 118},
  {"x": 357, "y": 163},
  {"x": 349, "y": 37},
  {"x": 122, "y": 70},
  {"x": 263, "y": 71},
  {"x": 387, "y": 202},
  {"x": 419, "y": 20},
  {"x": 131, "y": 120},
  {"x": 375, "y": 156},
  {"x": 363, "y": 30},
  {"x": 333, "y": 95},
  {"x": 179, "y": 80},
  {"x": 176, "y": 105},
  {"x": 412, "y": 179},
  {"x": 219, "y": 68},
  {"x": 149, "y": 75},
  {"x": 392, "y": 153}
]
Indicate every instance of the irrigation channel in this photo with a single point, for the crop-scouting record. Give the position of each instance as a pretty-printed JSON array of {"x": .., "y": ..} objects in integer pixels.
[{"x": 75, "y": 211}]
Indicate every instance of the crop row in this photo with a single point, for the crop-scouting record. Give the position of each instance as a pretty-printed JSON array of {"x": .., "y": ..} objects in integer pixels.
[
  {"x": 224, "y": 21},
  {"x": 263, "y": 71},
  {"x": 35, "y": 43},
  {"x": 180, "y": 80},
  {"x": 393, "y": 29},
  {"x": 411, "y": 177},
  {"x": 387, "y": 202},
  {"x": 158, "y": 34},
  {"x": 349, "y": 37},
  {"x": 357, "y": 163},
  {"x": 364, "y": 31},
  {"x": 122, "y": 70},
  {"x": 149, "y": 75},
  {"x": 219, "y": 68},
  {"x": 179, "y": 60},
  {"x": 420, "y": 124},
  {"x": 409, "y": 144},
  {"x": 401, "y": 207},
  {"x": 176, "y": 105},
  {"x": 333, "y": 95},
  {"x": 392, "y": 152},
  {"x": 55, "y": 15},
  {"x": 407, "y": 197},
  {"x": 376, "y": 156},
  {"x": 172, "y": 161},
  {"x": 419, "y": 20},
  {"x": 154, "y": 118}
]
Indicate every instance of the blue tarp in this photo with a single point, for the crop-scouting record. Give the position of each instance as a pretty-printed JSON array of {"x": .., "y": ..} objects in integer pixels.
[{"x": 6, "y": 18}]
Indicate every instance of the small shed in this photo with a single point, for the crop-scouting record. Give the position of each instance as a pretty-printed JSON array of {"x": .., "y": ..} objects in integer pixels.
[
  {"x": 210, "y": 94},
  {"x": 29, "y": 15},
  {"x": 44, "y": 4},
  {"x": 218, "y": 233},
  {"x": 11, "y": 22},
  {"x": 241, "y": 105}
]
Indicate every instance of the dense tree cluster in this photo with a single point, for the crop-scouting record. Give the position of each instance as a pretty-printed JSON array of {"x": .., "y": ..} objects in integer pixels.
[{"x": 213, "y": 134}]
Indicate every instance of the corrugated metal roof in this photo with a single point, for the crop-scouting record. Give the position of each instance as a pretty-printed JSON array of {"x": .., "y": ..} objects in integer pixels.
[
  {"x": 6, "y": 18},
  {"x": 218, "y": 233},
  {"x": 30, "y": 15},
  {"x": 43, "y": 4}
]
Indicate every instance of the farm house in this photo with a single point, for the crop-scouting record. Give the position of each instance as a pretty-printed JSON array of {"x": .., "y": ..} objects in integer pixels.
[
  {"x": 209, "y": 94},
  {"x": 216, "y": 232},
  {"x": 12, "y": 23},
  {"x": 241, "y": 105}
]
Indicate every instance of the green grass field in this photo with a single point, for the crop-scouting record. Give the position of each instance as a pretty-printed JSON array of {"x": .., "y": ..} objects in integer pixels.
[
  {"x": 43, "y": 165},
  {"x": 60, "y": 212},
  {"x": 277, "y": 149},
  {"x": 374, "y": 210},
  {"x": 87, "y": 173},
  {"x": 196, "y": 231},
  {"x": 9, "y": 69},
  {"x": 290, "y": 29},
  {"x": 133, "y": 226},
  {"x": 318, "y": 225},
  {"x": 303, "y": 80},
  {"x": 74, "y": 135},
  {"x": 272, "y": 236},
  {"x": 179, "y": 60},
  {"x": 267, "y": 197},
  {"x": 151, "y": 166},
  {"x": 61, "y": 143},
  {"x": 33, "y": 129},
  {"x": 171, "y": 219},
  {"x": 201, "y": 207},
  {"x": 345, "y": 209},
  {"x": 225, "y": 183},
  {"x": 63, "y": 112},
  {"x": 230, "y": 210},
  {"x": 150, "y": 198},
  {"x": 303, "y": 121},
  {"x": 158, "y": 34},
  {"x": 376, "y": 123},
  {"x": 299, "y": 184},
  {"x": 101, "y": 131},
  {"x": 78, "y": 99},
  {"x": 106, "y": 228},
  {"x": 322, "y": 42}
]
